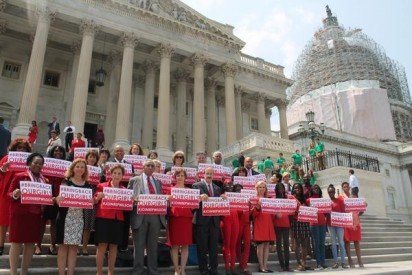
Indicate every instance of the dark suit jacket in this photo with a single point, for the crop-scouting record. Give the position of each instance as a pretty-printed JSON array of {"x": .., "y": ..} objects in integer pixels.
[
  {"x": 5, "y": 140},
  {"x": 198, "y": 217},
  {"x": 56, "y": 127},
  {"x": 136, "y": 184}
]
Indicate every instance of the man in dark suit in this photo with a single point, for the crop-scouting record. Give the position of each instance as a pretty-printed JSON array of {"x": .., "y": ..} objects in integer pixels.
[
  {"x": 207, "y": 227},
  {"x": 146, "y": 228},
  {"x": 54, "y": 125},
  {"x": 5, "y": 139},
  {"x": 249, "y": 168}
]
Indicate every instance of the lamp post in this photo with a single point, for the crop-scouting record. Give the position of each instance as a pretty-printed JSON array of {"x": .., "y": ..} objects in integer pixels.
[{"x": 313, "y": 131}]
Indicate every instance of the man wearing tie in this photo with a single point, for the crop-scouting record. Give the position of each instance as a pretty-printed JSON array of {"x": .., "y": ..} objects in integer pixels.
[
  {"x": 249, "y": 167},
  {"x": 207, "y": 227},
  {"x": 54, "y": 125},
  {"x": 146, "y": 228}
]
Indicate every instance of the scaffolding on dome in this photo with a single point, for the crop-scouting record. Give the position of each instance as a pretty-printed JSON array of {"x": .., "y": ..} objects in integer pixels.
[{"x": 336, "y": 54}]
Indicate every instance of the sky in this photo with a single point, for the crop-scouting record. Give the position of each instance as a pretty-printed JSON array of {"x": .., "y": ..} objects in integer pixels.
[{"x": 278, "y": 30}]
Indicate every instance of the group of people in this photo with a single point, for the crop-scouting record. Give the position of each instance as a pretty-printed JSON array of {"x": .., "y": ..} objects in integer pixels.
[{"x": 70, "y": 228}]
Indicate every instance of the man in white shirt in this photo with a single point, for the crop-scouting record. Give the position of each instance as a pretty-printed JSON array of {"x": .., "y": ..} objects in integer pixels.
[{"x": 353, "y": 183}]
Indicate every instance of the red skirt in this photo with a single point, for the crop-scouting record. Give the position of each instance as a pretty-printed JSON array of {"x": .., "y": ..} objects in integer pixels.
[
  {"x": 25, "y": 228},
  {"x": 180, "y": 231},
  {"x": 4, "y": 211},
  {"x": 353, "y": 235}
]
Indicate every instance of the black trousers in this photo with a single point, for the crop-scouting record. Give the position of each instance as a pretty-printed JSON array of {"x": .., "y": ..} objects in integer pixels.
[
  {"x": 68, "y": 141},
  {"x": 207, "y": 237},
  {"x": 125, "y": 236},
  {"x": 282, "y": 237}
]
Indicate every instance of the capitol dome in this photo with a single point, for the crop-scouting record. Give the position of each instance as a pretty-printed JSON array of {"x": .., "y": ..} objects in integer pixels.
[{"x": 338, "y": 55}]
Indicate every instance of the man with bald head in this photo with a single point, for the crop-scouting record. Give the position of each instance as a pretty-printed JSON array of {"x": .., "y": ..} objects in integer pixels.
[
  {"x": 146, "y": 228},
  {"x": 207, "y": 227},
  {"x": 249, "y": 167}
]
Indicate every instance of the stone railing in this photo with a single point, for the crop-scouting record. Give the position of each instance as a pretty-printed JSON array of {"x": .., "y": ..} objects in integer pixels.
[
  {"x": 262, "y": 141},
  {"x": 261, "y": 64}
]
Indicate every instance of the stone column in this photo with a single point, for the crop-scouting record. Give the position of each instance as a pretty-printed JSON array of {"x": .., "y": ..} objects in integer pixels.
[
  {"x": 149, "y": 68},
  {"x": 211, "y": 122},
  {"x": 123, "y": 126},
  {"x": 75, "y": 65},
  {"x": 34, "y": 73},
  {"x": 182, "y": 76},
  {"x": 113, "y": 97},
  {"x": 246, "y": 111},
  {"x": 199, "y": 129},
  {"x": 163, "y": 113},
  {"x": 229, "y": 70},
  {"x": 88, "y": 29},
  {"x": 283, "y": 120},
  {"x": 261, "y": 112},
  {"x": 239, "y": 119},
  {"x": 268, "y": 113}
]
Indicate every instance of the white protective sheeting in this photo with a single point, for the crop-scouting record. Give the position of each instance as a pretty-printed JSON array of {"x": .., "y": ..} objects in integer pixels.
[{"x": 361, "y": 111}]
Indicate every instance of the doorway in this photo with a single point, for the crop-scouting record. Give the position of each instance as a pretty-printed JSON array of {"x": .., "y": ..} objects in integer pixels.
[{"x": 90, "y": 130}]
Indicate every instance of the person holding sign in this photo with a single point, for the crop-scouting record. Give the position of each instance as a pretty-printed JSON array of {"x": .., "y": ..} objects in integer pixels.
[
  {"x": 178, "y": 159},
  {"x": 282, "y": 228},
  {"x": 25, "y": 219},
  {"x": 263, "y": 232},
  {"x": 6, "y": 176},
  {"x": 336, "y": 233},
  {"x": 352, "y": 234},
  {"x": 300, "y": 230},
  {"x": 50, "y": 211},
  {"x": 318, "y": 230},
  {"x": 70, "y": 220},
  {"x": 207, "y": 227},
  {"x": 180, "y": 228},
  {"x": 109, "y": 223},
  {"x": 146, "y": 228}
]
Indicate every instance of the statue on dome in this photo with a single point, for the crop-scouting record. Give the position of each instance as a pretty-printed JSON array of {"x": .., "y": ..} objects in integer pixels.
[{"x": 328, "y": 11}]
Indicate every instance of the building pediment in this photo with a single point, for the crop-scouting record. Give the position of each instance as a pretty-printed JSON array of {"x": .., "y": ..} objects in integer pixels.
[{"x": 179, "y": 13}]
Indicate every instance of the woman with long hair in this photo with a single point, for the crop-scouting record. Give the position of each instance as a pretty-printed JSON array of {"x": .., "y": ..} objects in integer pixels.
[
  {"x": 263, "y": 232},
  {"x": 50, "y": 211},
  {"x": 70, "y": 221},
  {"x": 336, "y": 233},
  {"x": 318, "y": 230},
  {"x": 180, "y": 228},
  {"x": 6, "y": 177},
  {"x": 109, "y": 223},
  {"x": 353, "y": 234},
  {"x": 135, "y": 149},
  {"x": 282, "y": 228},
  {"x": 300, "y": 230}
]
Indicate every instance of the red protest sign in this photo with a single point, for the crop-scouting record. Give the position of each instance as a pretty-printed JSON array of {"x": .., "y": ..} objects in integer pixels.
[
  {"x": 246, "y": 182},
  {"x": 259, "y": 177},
  {"x": 216, "y": 207},
  {"x": 36, "y": 193},
  {"x": 127, "y": 169},
  {"x": 76, "y": 197},
  {"x": 17, "y": 161},
  {"x": 185, "y": 197},
  {"x": 252, "y": 194},
  {"x": 117, "y": 198},
  {"x": 324, "y": 205},
  {"x": 341, "y": 219},
  {"x": 137, "y": 161},
  {"x": 218, "y": 171},
  {"x": 80, "y": 152},
  {"x": 281, "y": 206},
  {"x": 55, "y": 167},
  {"x": 271, "y": 190},
  {"x": 308, "y": 214},
  {"x": 152, "y": 205},
  {"x": 238, "y": 201},
  {"x": 190, "y": 172},
  {"x": 165, "y": 180},
  {"x": 94, "y": 174},
  {"x": 355, "y": 205}
]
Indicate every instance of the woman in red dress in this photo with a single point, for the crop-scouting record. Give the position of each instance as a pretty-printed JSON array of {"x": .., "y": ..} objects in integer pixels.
[
  {"x": 6, "y": 176},
  {"x": 109, "y": 223},
  {"x": 352, "y": 234},
  {"x": 230, "y": 229},
  {"x": 263, "y": 232},
  {"x": 25, "y": 219},
  {"x": 33, "y": 130},
  {"x": 180, "y": 228}
]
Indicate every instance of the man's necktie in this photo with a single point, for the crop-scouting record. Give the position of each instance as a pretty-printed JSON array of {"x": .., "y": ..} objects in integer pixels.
[
  {"x": 210, "y": 189},
  {"x": 150, "y": 186}
]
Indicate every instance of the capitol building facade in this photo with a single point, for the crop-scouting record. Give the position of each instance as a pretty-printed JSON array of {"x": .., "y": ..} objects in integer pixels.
[{"x": 176, "y": 80}]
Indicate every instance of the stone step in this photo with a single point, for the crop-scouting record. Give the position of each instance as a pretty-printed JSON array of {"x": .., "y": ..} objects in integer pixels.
[
  {"x": 382, "y": 222},
  {"x": 385, "y": 228},
  {"x": 193, "y": 270},
  {"x": 383, "y": 233},
  {"x": 385, "y": 244},
  {"x": 386, "y": 239}
]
